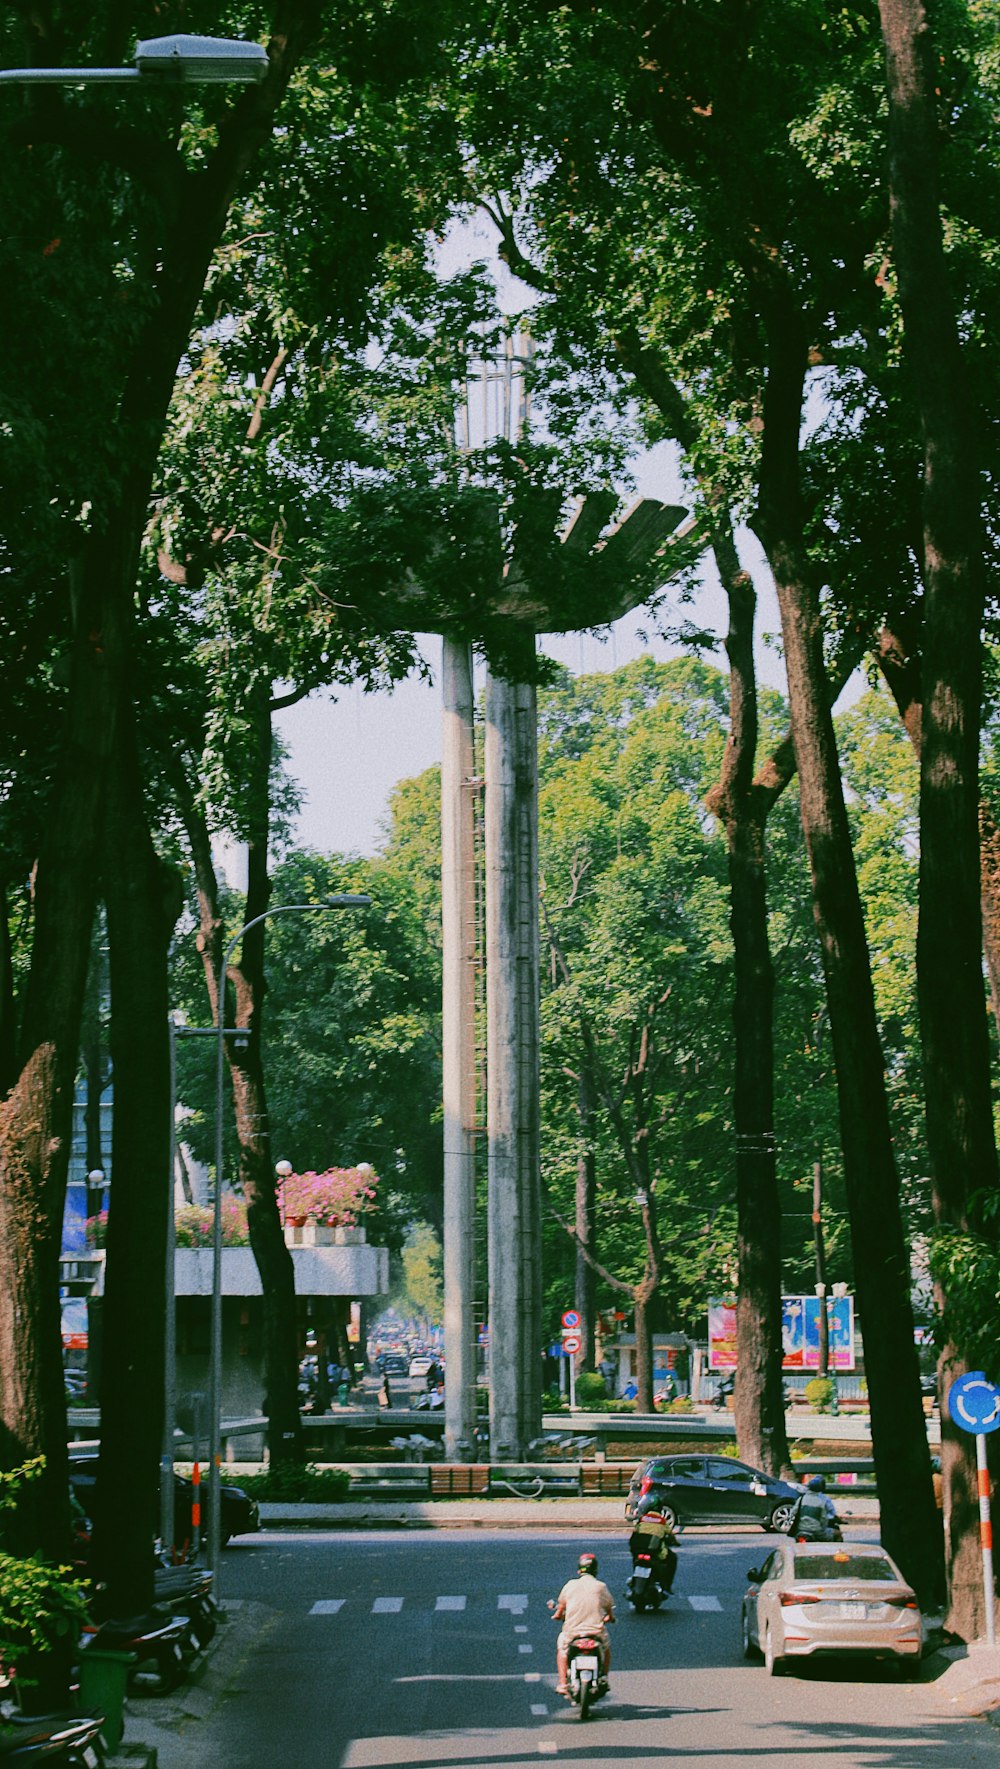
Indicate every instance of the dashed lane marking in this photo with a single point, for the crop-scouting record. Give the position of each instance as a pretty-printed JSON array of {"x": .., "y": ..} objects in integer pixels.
[
  {"x": 387, "y": 1605},
  {"x": 539, "y": 1708},
  {"x": 516, "y": 1603},
  {"x": 450, "y": 1603},
  {"x": 328, "y": 1606},
  {"x": 704, "y": 1603},
  {"x": 523, "y": 1648}
]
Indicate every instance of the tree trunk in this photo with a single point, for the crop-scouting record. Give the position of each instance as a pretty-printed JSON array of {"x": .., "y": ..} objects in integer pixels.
[
  {"x": 258, "y": 1182},
  {"x": 758, "y": 1401},
  {"x": 960, "y": 1133},
  {"x": 143, "y": 901},
  {"x": 585, "y": 1288},
  {"x": 910, "y": 1525},
  {"x": 36, "y": 1118}
]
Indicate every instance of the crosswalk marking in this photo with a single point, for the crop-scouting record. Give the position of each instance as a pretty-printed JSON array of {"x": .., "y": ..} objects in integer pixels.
[{"x": 516, "y": 1604}]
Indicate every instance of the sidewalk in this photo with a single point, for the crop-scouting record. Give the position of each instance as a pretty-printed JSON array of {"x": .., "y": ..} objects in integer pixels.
[
  {"x": 604, "y": 1515},
  {"x": 167, "y": 1732}
]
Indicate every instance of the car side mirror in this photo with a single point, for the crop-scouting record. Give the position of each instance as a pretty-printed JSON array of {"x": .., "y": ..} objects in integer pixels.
[{"x": 755, "y": 1574}]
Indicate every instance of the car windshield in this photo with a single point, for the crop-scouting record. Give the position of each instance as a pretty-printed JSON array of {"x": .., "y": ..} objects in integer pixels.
[{"x": 845, "y": 1566}]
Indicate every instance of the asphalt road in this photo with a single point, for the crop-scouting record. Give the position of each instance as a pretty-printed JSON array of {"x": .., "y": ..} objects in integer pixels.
[{"x": 376, "y": 1650}]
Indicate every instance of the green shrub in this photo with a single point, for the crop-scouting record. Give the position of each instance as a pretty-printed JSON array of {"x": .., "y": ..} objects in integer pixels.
[
  {"x": 819, "y": 1393},
  {"x": 590, "y": 1391},
  {"x": 295, "y": 1483},
  {"x": 39, "y": 1604},
  {"x": 681, "y": 1403}
]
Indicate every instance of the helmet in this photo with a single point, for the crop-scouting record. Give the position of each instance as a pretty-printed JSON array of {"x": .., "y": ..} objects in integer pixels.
[{"x": 588, "y": 1563}]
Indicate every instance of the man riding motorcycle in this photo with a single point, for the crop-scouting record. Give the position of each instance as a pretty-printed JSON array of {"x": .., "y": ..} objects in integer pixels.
[
  {"x": 584, "y": 1606},
  {"x": 653, "y": 1535}
]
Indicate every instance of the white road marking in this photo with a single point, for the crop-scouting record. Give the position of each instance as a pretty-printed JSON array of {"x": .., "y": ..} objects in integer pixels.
[
  {"x": 523, "y": 1648},
  {"x": 539, "y": 1707},
  {"x": 704, "y": 1603},
  {"x": 387, "y": 1605},
  {"x": 520, "y": 1627},
  {"x": 532, "y": 1676},
  {"x": 517, "y": 1604},
  {"x": 328, "y": 1606},
  {"x": 547, "y": 1747},
  {"x": 450, "y": 1603}
]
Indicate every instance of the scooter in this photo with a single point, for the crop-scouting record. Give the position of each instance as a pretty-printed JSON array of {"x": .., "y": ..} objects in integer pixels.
[
  {"x": 187, "y": 1590},
  {"x": 644, "y": 1590},
  {"x": 156, "y": 1638},
  {"x": 70, "y": 1739},
  {"x": 585, "y": 1678}
]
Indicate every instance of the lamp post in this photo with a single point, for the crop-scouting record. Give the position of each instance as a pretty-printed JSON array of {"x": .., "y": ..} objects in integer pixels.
[
  {"x": 171, "y": 61},
  {"x": 344, "y": 900}
]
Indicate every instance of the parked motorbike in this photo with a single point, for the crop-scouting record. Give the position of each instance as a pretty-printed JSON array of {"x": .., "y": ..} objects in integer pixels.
[
  {"x": 156, "y": 1639},
  {"x": 69, "y": 1739},
  {"x": 187, "y": 1590}
]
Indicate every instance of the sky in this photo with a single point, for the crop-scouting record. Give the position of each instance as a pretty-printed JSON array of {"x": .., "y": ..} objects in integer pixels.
[{"x": 347, "y": 754}]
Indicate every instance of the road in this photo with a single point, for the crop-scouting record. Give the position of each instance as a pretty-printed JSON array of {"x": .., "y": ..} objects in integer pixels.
[{"x": 370, "y": 1651}]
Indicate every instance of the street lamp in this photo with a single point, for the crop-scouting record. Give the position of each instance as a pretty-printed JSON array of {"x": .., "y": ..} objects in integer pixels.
[
  {"x": 344, "y": 900},
  {"x": 170, "y": 61}
]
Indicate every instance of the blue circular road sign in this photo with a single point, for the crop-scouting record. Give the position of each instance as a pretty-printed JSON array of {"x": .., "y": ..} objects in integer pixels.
[{"x": 974, "y": 1403}]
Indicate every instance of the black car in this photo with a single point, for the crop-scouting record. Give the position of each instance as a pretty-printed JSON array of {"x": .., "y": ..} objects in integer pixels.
[
  {"x": 238, "y": 1514},
  {"x": 712, "y": 1489}
]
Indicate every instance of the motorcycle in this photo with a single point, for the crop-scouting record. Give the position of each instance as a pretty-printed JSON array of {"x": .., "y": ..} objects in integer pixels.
[
  {"x": 187, "y": 1590},
  {"x": 585, "y": 1673},
  {"x": 644, "y": 1590},
  {"x": 156, "y": 1638},
  {"x": 815, "y": 1518},
  {"x": 70, "y": 1739},
  {"x": 723, "y": 1392}
]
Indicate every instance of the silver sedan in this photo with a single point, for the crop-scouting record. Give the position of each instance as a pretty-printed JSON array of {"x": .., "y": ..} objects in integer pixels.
[{"x": 830, "y": 1597}]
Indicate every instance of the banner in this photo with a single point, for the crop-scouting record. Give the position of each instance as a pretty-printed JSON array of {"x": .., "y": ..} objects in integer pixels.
[{"x": 799, "y": 1332}]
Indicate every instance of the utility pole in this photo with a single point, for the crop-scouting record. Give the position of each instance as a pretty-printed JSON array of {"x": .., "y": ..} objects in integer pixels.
[
  {"x": 459, "y": 959},
  {"x": 512, "y": 1019}
]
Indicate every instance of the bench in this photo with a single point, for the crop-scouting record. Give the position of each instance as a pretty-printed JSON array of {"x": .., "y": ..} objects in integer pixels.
[
  {"x": 534, "y": 1480},
  {"x": 606, "y": 1479},
  {"x": 387, "y": 1482},
  {"x": 459, "y": 1480}
]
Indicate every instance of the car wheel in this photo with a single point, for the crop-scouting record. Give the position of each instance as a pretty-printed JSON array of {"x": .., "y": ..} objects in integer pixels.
[
  {"x": 750, "y": 1650},
  {"x": 782, "y": 1516},
  {"x": 772, "y": 1658},
  {"x": 669, "y": 1516}
]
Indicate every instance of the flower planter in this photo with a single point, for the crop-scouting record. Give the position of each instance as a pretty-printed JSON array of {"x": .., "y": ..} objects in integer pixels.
[
  {"x": 310, "y": 1234},
  {"x": 349, "y": 1237}
]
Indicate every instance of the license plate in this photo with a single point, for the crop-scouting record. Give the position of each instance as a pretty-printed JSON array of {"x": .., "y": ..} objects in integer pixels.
[
  {"x": 585, "y": 1664},
  {"x": 643, "y": 1572},
  {"x": 853, "y": 1612}
]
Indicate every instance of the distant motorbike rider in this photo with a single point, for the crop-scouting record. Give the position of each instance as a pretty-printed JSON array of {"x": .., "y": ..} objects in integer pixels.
[
  {"x": 653, "y": 1535},
  {"x": 584, "y": 1606}
]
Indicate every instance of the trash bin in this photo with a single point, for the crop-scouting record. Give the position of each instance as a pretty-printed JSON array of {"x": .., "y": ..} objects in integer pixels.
[{"x": 103, "y": 1678}]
